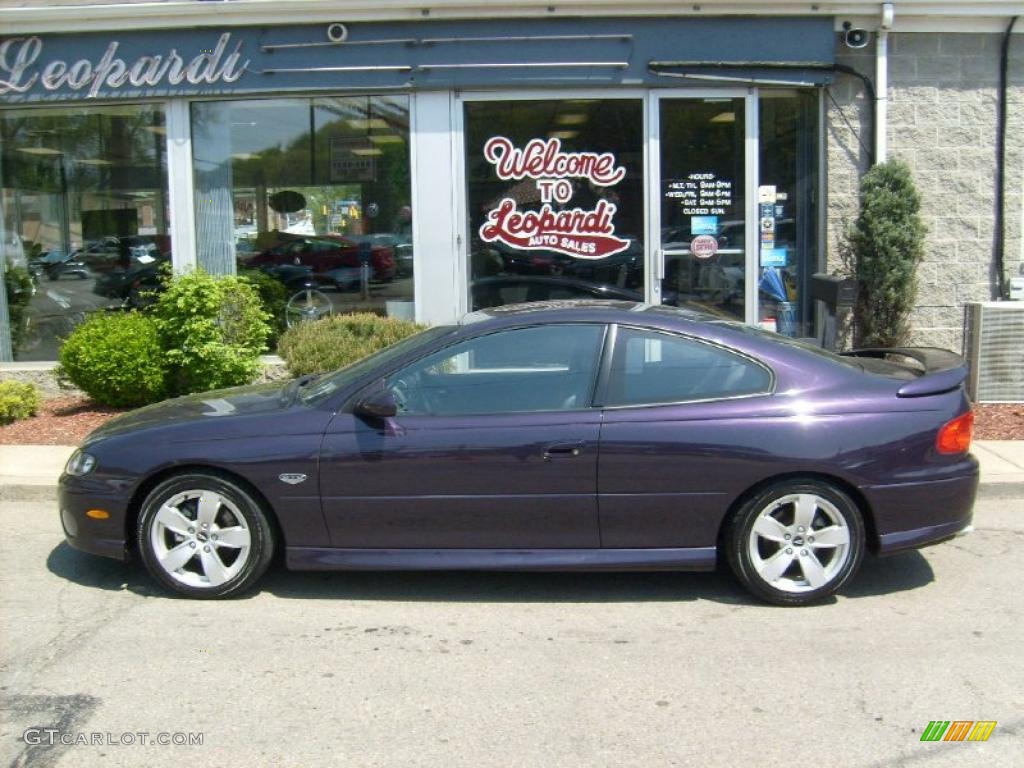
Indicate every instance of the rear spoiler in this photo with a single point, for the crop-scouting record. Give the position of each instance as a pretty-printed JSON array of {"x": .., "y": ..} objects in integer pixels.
[{"x": 941, "y": 370}]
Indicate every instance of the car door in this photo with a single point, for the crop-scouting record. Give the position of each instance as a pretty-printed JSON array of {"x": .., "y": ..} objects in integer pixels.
[
  {"x": 684, "y": 426},
  {"x": 494, "y": 446}
]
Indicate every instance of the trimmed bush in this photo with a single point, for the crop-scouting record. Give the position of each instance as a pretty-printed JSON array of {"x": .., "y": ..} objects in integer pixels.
[
  {"x": 18, "y": 400},
  {"x": 213, "y": 330},
  {"x": 886, "y": 244},
  {"x": 274, "y": 297},
  {"x": 333, "y": 342},
  {"x": 117, "y": 359}
]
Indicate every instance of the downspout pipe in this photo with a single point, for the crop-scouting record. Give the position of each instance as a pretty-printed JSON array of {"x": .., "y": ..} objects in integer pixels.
[
  {"x": 882, "y": 84},
  {"x": 999, "y": 235}
]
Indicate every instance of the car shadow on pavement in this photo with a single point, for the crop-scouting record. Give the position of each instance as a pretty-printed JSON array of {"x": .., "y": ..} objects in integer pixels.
[
  {"x": 99, "y": 572},
  {"x": 878, "y": 576},
  {"x": 890, "y": 574},
  {"x": 506, "y": 587}
]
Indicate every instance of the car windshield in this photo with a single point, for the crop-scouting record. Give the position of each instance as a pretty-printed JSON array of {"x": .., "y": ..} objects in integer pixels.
[{"x": 321, "y": 388}]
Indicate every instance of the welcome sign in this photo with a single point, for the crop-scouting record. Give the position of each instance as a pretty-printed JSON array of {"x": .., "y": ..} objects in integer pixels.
[{"x": 576, "y": 232}]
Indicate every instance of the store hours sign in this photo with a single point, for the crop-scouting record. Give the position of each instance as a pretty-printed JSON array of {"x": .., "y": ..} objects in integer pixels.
[{"x": 582, "y": 233}]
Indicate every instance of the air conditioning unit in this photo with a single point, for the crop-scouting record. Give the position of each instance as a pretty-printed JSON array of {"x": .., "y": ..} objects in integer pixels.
[{"x": 994, "y": 348}]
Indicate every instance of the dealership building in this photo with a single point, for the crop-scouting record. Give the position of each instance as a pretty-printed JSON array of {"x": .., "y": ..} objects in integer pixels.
[{"x": 706, "y": 153}]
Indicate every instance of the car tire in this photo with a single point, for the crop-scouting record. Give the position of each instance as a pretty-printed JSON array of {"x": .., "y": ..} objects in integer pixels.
[
  {"x": 795, "y": 542},
  {"x": 204, "y": 536}
]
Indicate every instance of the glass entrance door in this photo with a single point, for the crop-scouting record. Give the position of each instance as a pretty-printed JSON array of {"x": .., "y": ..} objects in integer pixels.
[{"x": 699, "y": 211}]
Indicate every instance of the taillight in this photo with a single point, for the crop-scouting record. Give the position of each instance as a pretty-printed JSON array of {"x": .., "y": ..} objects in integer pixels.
[{"x": 955, "y": 435}]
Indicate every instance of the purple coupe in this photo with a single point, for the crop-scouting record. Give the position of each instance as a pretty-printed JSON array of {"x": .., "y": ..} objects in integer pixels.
[{"x": 557, "y": 436}]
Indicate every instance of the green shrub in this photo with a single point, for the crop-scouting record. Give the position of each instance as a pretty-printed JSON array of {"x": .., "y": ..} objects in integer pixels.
[
  {"x": 116, "y": 359},
  {"x": 18, "y": 400},
  {"x": 273, "y": 296},
  {"x": 886, "y": 244},
  {"x": 19, "y": 288},
  {"x": 336, "y": 341},
  {"x": 213, "y": 330}
]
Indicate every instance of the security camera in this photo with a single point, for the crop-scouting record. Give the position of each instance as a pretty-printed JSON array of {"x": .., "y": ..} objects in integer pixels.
[
  {"x": 337, "y": 32},
  {"x": 855, "y": 38}
]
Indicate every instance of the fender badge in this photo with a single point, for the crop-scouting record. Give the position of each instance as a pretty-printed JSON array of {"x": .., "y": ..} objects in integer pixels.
[{"x": 292, "y": 478}]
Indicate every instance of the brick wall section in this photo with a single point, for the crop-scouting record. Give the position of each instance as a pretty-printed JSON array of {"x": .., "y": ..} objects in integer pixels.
[{"x": 942, "y": 122}]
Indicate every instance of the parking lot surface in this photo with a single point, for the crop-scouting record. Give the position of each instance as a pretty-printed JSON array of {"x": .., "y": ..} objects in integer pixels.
[{"x": 485, "y": 669}]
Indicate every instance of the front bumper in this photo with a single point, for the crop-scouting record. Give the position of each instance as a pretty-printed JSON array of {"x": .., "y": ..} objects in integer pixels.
[{"x": 76, "y": 496}]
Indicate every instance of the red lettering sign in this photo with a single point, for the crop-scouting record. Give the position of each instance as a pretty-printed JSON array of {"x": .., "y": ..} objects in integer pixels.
[{"x": 574, "y": 232}]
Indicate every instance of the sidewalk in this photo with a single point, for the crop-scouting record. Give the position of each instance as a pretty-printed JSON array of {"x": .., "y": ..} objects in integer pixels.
[{"x": 30, "y": 472}]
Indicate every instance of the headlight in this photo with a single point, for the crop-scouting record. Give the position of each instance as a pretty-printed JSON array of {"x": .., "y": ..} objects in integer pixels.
[{"x": 80, "y": 464}]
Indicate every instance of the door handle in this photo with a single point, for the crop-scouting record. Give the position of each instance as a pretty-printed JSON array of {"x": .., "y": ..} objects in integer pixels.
[{"x": 562, "y": 450}]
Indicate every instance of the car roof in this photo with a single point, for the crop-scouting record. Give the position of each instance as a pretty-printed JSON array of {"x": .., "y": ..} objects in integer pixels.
[{"x": 563, "y": 310}]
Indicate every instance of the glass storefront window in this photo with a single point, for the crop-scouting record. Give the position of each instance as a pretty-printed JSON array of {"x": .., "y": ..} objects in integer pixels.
[
  {"x": 310, "y": 191},
  {"x": 83, "y": 217},
  {"x": 787, "y": 209},
  {"x": 703, "y": 203},
  {"x": 556, "y": 199}
]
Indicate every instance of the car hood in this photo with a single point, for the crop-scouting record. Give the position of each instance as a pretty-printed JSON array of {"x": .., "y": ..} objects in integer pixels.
[{"x": 214, "y": 406}]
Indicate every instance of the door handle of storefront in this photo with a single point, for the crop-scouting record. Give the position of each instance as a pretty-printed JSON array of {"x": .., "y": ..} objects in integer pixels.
[{"x": 659, "y": 265}]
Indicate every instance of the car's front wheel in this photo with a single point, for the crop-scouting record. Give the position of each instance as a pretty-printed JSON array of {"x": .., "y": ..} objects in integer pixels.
[
  {"x": 795, "y": 542},
  {"x": 202, "y": 535}
]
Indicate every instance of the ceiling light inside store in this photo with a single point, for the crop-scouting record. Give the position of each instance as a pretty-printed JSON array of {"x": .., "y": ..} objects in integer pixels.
[
  {"x": 92, "y": 161},
  {"x": 243, "y": 156},
  {"x": 368, "y": 152},
  {"x": 572, "y": 118},
  {"x": 386, "y": 138},
  {"x": 39, "y": 151},
  {"x": 724, "y": 117},
  {"x": 156, "y": 129},
  {"x": 563, "y": 134},
  {"x": 363, "y": 124}
]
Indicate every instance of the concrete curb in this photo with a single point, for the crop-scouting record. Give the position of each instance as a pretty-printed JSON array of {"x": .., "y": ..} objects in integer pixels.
[{"x": 28, "y": 492}]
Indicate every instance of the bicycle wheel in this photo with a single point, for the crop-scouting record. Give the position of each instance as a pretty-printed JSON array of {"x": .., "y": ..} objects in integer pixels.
[{"x": 306, "y": 305}]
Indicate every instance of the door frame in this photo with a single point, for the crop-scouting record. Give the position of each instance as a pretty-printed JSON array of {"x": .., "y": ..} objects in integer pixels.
[{"x": 751, "y": 148}]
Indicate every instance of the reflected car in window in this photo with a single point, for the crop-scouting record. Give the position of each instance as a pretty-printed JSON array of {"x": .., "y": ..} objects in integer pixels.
[
  {"x": 556, "y": 435},
  {"x": 326, "y": 254},
  {"x": 489, "y": 292}
]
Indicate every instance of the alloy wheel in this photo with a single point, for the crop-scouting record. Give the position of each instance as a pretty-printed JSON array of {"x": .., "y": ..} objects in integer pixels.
[
  {"x": 200, "y": 539},
  {"x": 799, "y": 543}
]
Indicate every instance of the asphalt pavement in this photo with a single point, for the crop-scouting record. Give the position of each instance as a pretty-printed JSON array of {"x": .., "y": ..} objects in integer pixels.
[{"x": 476, "y": 669}]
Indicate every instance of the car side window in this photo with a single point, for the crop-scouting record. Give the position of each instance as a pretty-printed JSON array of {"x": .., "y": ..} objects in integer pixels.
[
  {"x": 544, "y": 368},
  {"x": 649, "y": 368}
]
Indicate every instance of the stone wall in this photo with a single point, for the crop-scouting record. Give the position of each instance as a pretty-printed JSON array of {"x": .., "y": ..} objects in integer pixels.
[{"x": 942, "y": 122}]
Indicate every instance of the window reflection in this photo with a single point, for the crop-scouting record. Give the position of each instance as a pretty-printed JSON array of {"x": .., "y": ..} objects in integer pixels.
[
  {"x": 310, "y": 191},
  {"x": 83, "y": 216}
]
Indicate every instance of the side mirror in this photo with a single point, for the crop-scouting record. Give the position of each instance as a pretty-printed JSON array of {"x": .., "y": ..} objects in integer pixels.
[{"x": 379, "y": 405}]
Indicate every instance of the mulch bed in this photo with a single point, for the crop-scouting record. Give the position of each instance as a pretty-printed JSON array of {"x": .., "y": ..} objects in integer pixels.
[
  {"x": 67, "y": 420},
  {"x": 999, "y": 422},
  {"x": 60, "y": 421}
]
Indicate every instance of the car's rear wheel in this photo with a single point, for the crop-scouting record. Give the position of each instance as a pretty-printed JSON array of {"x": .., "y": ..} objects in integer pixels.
[
  {"x": 796, "y": 541},
  {"x": 202, "y": 535}
]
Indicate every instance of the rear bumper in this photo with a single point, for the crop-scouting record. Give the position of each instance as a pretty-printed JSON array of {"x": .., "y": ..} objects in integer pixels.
[{"x": 908, "y": 515}]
